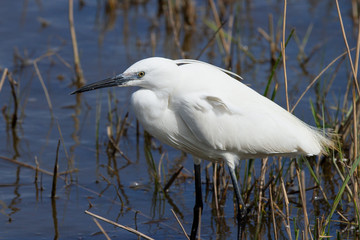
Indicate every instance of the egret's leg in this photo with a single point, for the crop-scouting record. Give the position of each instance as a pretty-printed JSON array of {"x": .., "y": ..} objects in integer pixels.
[
  {"x": 198, "y": 192},
  {"x": 241, "y": 212},
  {"x": 198, "y": 202}
]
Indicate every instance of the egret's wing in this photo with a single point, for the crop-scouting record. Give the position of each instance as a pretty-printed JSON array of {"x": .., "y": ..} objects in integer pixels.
[
  {"x": 225, "y": 115},
  {"x": 209, "y": 118},
  {"x": 189, "y": 61},
  {"x": 248, "y": 130}
]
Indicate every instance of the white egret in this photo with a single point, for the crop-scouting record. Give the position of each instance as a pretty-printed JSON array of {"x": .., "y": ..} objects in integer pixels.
[{"x": 202, "y": 110}]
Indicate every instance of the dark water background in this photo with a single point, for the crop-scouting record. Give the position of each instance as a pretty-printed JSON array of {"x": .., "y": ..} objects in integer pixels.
[{"x": 108, "y": 44}]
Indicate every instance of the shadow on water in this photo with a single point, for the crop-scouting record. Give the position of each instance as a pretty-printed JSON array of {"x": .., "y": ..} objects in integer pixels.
[
  {"x": 55, "y": 220},
  {"x": 109, "y": 166}
]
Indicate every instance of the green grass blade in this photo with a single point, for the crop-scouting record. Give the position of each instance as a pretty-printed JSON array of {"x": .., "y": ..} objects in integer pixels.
[
  {"x": 341, "y": 191},
  {"x": 313, "y": 111},
  {"x": 312, "y": 173}
]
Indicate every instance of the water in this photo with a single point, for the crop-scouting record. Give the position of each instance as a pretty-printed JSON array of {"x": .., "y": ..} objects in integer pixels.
[{"x": 109, "y": 43}]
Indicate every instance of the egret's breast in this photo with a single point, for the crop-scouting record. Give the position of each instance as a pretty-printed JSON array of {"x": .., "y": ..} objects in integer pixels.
[
  {"x": 147, "y": 105},
  {"x": 153, "y": 113}
]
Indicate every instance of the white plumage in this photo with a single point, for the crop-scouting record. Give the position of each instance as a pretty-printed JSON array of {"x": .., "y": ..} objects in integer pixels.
[{"x": 200, "y": 109}]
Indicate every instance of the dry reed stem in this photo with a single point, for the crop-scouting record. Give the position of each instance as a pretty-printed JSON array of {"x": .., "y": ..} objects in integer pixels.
[
  {"x": 286, "y": 216},
  {"x": 225, "y": 44},
  {"x": 61, "y": 59},
  {"x": 285, "y": 77},
  {"x": 210, "y": 40},
  {"x": 284, "y": 57},
  {"x": 286, "y": 200},
  {"x": 264, "y": 34},
  {"x": 181, "y": 226},
  {"x": 355, "y": 154},
  {"x": 357, "y": 53},
  {"x": 272, "y": 212},
  {"x": 36, "y": 168},
  {"x": 344, "y": 128},
  {"x": 112, "y": 141},
  {"x": 355, "y": 82},
  {"x": 301, "y": 182},
  {"x": 44, "y": 87},
  {"x": 176, "y": 36},
  {"x": 342, "y": 177},
  {"x": 129, "y": 229},
  {"x": 347, "y": 47},
  {"x": 3, "y": 78},
  {"x": 122, "y": 127},
  {"x": 218, "y": 23},
  {"x": 354, "y": 97},
  {"x": 22, "y": 164},
  {"x": 316, "y": 78},
  {"x": 78, "y": 70},
  {"x": 101, "y": 228},
  {"x": 270, "y": 37},
  {"x": 216, "y": 190},
  {"x": 224, "y": 193},
  {"x": 356, "y": 200},
  {"x": 261, "y": 186},
  {"x": 229, "y": 34},
  {"x": 278, "y": 210}
]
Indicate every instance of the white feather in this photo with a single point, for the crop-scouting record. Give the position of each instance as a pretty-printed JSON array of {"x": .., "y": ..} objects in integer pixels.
[{"x": 210, "y": 114}]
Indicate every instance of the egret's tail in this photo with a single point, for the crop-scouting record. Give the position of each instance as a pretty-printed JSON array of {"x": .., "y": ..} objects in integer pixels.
[{"x": 324, "y": 139}]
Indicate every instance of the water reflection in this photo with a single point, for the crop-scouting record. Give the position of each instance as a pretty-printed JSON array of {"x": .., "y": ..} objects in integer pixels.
[
  {"x": 17, "y": 197},
  {"x": 54, "y": 217}
]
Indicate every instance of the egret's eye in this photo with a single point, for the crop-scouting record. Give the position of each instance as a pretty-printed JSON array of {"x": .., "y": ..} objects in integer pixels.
[{"x": 141, "y": 74}]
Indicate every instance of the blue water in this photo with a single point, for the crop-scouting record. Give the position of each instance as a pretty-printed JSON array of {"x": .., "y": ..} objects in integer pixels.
[{"x": 108, "y": 44}]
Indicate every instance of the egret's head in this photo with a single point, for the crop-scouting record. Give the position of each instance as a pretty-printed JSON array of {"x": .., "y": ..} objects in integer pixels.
[{"x": 153, "y": 73}]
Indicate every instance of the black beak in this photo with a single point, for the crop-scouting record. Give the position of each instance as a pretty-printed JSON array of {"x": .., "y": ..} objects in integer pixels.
[{"x": 109, "y": 82}]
